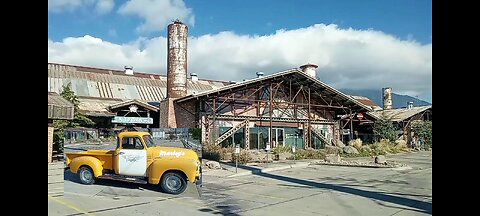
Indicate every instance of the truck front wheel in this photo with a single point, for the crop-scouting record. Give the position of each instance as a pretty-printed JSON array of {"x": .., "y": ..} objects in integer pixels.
[
  {"x": 86, "y": 175},
  {"x": 173, "y": 183}
]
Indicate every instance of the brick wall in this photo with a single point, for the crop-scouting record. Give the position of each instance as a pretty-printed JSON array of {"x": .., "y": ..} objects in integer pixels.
[
  {"x": 185, "y": 115},
  {"x": 174, "y": 116},
  {"x": 164, "y": 113},
  {"x": 50, "y": 140},
  {"x": 167, "y": 114}
]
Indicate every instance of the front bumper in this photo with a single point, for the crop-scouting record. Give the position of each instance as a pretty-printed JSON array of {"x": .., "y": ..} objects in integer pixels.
[{"x": 198, "y": 179}]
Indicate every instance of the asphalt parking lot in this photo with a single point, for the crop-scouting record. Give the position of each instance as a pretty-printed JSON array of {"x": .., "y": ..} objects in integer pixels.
[
  {"x": 313, "y": 190},
  {"x": 328, "y": 190}
]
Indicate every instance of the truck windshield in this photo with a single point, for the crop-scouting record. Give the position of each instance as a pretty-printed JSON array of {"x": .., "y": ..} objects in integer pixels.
[{"x": 148, "y": 140}]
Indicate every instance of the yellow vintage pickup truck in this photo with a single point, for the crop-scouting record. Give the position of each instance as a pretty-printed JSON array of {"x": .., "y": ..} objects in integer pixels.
[{"x": 136, "y": 159}]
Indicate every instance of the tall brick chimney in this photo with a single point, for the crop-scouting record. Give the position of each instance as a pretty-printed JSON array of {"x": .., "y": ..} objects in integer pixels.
[{"x": 176, "y": 72}]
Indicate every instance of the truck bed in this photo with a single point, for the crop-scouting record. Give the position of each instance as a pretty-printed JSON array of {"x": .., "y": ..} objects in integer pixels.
[{"x": 105, "y": 156}]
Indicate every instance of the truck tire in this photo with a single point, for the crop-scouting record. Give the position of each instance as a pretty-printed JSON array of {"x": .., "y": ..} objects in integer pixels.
[
  {"x": 173, "y": 183},
  {"x": 86, "y": 175}
]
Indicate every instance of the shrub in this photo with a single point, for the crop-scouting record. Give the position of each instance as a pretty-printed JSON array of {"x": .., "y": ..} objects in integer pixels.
[
  {"x": 423, "y": 130},
  {"x": 308, "y": 154},
  {"x": 243, "y": 158},
  {"x": 401, "y": 144},
  {"x": 282, "y": 149},
  {"x": 211, "y": 152},
  {"x": 357, "y": 143},
  {"x": 332, "y": 150},
  {"x": 384, "y": 129}
]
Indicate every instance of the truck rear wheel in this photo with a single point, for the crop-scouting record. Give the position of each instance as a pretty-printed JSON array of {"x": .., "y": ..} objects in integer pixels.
[
  {"x": 86, "y": 175},
  {"x": 173, "y": 183}
]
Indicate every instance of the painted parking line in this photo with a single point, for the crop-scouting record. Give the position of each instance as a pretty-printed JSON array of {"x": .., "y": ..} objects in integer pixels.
[{"x": 58, "y": 200}]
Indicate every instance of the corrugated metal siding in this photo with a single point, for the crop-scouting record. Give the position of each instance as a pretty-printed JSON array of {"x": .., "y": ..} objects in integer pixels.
[
  {"x": 103, "y": 83},
  {"x": 104, "y": 90},
  {"x": 81, "y": 87},
  {"x": 133, "y": 92},
  {"x": 217, "y": 84},
  {"x": 93, "y": 89},
  {"x": 57, "y": 83},
  {"x": 118, "y": 91},
  {"x": 149, "y": 93}
]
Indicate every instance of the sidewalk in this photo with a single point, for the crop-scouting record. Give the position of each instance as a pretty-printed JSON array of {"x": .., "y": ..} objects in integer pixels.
[
  {"x": 55, "y": 178},
  {"x": 228, "y": 169}
]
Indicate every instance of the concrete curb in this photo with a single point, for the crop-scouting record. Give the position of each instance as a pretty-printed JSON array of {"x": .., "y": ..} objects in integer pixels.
[
  {"x": 359, "y": 165},
  {"x": 271, "y": 169}
]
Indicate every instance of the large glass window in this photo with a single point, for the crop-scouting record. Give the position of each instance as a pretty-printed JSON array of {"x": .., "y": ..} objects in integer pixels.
[
  {"x": 239, "y": 137},
  {"x": 294, "y": 137},
  {"x": 227, "y": 142},
  {"x": 253, "y": 138},
  {"x": 263, "y": 137}
]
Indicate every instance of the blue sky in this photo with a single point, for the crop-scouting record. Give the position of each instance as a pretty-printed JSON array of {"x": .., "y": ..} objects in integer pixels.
[{"x": 340, "y": 34}]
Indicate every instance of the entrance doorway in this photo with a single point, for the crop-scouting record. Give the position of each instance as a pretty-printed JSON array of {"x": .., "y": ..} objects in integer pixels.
[{"x": 278, "y": 137}]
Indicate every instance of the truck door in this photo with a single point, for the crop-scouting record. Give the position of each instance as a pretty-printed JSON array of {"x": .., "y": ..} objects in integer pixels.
[{"x": 131, "y": 157}]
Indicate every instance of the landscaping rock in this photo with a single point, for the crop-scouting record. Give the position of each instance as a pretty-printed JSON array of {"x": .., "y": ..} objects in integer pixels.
[
  {"x": 350, "y": 150},
  {"x": 340, "y": 144},
  {"x": 380, "y": 159},
  {"x": 213, "y": 165}
]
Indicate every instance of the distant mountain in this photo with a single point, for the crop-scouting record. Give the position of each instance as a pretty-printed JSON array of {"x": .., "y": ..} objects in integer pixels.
[{"x": 376, "y": 95}]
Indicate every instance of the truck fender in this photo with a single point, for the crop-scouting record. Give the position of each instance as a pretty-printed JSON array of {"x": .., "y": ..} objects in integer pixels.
[
  {"x": 90, "y": 161},
  {"x": 159, "y": 167}
]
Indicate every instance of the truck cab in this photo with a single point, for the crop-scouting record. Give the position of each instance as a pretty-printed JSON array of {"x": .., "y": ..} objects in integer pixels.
[{"x": 137, "y": 159}]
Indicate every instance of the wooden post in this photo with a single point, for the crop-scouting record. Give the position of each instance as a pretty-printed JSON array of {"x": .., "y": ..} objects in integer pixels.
[
  {"x": 214, "y": 131},
  {"x": 148, "y": 115},
  {"x": 351, "y": 125},
  {"x": 271, "y": 112},
  {"x": 308, "y": 117}
]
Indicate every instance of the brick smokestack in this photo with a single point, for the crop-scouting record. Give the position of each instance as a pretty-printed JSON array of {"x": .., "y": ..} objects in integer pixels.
[
  {"x": 176, "y": 73},
  {"x": 177, "y": 60},
  {"x": 387, "y": 98},
  {"x": 309, "y": 69}
]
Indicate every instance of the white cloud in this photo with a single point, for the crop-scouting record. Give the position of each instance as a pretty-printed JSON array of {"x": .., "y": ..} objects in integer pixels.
[
  {"x": 157, "y": 13},
  {"x": 347, "y": 58},
  {"x": 59, "y": 5},
  {"x": 101, "y": 6},
  {"x": 104, "y": 6}
]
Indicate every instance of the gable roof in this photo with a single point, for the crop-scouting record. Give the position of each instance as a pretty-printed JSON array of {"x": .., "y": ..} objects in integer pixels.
[
  {"x": 294, "y": 74},
  {"x": 59, "y": 107},
  {"x": 136, "y": 102},
  {"x": 400, "y": 114}
]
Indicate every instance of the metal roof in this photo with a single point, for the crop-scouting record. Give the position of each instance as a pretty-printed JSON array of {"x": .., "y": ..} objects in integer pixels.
[
  {"x": 96, "y": 106},
  {"x": 137, "y": 102},
  {"x": 398, "y": 115},
  {"x": 366, "y": 101},
  {"x": 59, "y": 107},
  {"x": 99, "y": 88},
  {"x": 294, "y": 73},
  {"x": 115, "y": 84}
]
